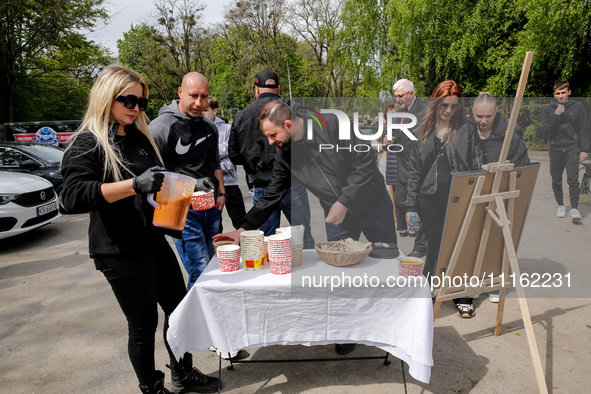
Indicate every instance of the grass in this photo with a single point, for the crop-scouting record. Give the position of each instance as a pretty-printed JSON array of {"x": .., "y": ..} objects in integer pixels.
[{"x": 585, "y": 199}]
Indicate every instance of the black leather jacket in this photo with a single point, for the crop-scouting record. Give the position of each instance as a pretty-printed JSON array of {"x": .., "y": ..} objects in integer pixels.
[
  {"x": 348, "y": 176},
  {"x": 460, "y": 153}
]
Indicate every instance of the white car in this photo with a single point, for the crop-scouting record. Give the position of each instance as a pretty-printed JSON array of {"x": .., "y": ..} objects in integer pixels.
[{"x": 26, "y": 203}]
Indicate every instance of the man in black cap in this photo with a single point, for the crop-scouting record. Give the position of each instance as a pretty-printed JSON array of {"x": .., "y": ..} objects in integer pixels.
[{"x": 249, "y": 147}]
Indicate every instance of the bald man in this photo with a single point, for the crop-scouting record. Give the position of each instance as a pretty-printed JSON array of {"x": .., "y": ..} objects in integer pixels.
[{"x": 188, "y": 142}]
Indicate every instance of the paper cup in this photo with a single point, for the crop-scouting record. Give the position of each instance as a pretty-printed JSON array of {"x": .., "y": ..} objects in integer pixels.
[
  {"x": 228, "y": 257},
  {"x": 280, "y": 267},
  {"x": 280, "y": 252},
  {"x": 410, "y": 266},
  {"x": 223, "y": 242},
  {"x": 297, "y": 254},
  {"x": 201, "y": 201},
  {"x": 253, "y": 249}
]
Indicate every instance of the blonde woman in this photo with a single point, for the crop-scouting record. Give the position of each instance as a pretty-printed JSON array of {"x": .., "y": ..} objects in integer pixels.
[{"x": 109, "y": 167}]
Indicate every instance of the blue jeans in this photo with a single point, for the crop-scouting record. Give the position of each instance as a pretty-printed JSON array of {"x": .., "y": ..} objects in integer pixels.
[
  {"x": 273, "y": 222},
  {"x": 377, "y": 225},
  {"x": 296, "y": 208},
  {"x": 196, "y": 248},
  {"x": 300, "y": 212}
]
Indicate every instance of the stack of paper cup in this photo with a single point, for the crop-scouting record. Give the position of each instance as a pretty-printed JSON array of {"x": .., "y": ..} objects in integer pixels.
[
  {"x": 297, "y": 242},
  {"x": 228, "y": 257},
  {"x": 253, "y": 249},
  {"x": 280, "y": 253}
]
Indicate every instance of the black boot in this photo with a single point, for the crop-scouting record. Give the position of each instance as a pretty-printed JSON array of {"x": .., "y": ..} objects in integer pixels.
[
  {"x": 157, "y": 387},
  {"x": 186, "y": 379}
]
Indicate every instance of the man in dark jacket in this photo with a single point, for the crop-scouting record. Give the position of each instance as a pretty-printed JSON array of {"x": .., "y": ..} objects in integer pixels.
[
  {"x": 249, "y": 147},
  {"x": 567, "y": 126},
  {"x": 405, "y": 97},
  {"x": 188, "y": 143},
  {"x": 348, "y": 184}
]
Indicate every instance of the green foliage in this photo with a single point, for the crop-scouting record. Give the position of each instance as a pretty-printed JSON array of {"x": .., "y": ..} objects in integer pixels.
[
  {"x": 46, "y": 65},
  {"x": 319, "y": 48}
]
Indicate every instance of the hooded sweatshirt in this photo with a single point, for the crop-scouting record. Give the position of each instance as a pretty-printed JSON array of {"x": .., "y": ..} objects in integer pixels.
[
  {"x": 188, "y": 145},
  {"x": 228, "y": 168},
  {"x": 568, "y": 129}
]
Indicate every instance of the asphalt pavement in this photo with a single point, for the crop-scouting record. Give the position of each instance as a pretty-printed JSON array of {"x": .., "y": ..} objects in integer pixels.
[{"x": 61, "y": 329}]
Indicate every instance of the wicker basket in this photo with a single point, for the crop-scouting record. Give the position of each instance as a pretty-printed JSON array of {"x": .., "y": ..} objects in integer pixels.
[{"x": 341, "y": 259}]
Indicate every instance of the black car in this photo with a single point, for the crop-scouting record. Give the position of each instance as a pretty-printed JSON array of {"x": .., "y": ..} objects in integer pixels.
[{"x": 32, "y": 158}]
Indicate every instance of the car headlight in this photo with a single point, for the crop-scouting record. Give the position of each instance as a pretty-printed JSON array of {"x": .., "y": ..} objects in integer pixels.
[{"x": 6, "y": 198}]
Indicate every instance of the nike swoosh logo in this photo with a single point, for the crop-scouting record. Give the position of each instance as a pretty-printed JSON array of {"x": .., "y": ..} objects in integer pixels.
[{"x": 180, "y": 148}]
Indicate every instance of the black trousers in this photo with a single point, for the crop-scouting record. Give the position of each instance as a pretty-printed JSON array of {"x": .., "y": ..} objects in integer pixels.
[
  {"x": 432, "y": 215},
  {"x": 433, "y": 209},
  {"x": 559, "y": 160},
  {"x": 141, "y": 281}
]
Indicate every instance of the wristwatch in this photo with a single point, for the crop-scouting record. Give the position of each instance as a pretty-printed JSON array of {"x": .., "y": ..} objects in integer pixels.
[{"x": 223, "y": 195}]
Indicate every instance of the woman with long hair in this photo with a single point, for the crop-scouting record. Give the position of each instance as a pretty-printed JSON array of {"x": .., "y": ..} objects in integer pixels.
[
  {"x": 442, "y": 149},
  {"x": 109, "y": 167}
]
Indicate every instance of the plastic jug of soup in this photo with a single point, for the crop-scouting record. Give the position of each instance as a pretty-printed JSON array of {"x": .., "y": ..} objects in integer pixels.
[{"x": 171, "y": 203}]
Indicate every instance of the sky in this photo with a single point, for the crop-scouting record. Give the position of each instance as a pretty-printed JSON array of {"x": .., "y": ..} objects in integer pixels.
[{"x": 124, "y": 13}]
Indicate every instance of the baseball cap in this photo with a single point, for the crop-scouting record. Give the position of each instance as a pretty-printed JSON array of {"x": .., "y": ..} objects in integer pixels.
[{"x": 263, "y": 76}]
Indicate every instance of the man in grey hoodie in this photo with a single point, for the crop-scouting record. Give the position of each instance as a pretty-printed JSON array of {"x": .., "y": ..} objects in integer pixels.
[{"x": 188, "y": 143}]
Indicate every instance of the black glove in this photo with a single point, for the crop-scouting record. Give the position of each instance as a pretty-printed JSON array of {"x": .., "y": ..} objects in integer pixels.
[
  {"x": 150, "y": 181},
  {"x": 204, "y": 185}
]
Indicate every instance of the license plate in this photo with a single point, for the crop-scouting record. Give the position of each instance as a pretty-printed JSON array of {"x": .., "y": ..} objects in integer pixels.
[{"x": 47, "y": 208}]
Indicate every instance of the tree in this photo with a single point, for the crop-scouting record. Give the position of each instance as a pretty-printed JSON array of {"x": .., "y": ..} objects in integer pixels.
[
  {"x": 140, "y": 50},
  {"x": 317, "y": 23},
  {"x": 36, "y": 37},
  {"x": 367, "y": 49},
  {"x": 481, "y": 44},
  {"x": 180, "y": 33}
]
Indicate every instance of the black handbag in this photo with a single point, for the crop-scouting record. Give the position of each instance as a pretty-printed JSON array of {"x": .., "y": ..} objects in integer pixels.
[{"x": 429, "y": 186}]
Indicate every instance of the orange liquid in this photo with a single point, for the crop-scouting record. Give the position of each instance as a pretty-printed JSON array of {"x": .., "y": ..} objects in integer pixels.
[{"x": 172, "y": 214}]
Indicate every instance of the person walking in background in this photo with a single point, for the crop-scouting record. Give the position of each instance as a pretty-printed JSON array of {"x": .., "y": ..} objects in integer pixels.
[
  {"x": 442, "y": 149},
  {"x": 234, "y": 202},
  {"x": 566, "y": 124},
  {"x": 109, "y": 167},
  {"x": 405, "y": 97},
  {"x": 249, "y": 147},
  {"x": 188, "y": 143}
]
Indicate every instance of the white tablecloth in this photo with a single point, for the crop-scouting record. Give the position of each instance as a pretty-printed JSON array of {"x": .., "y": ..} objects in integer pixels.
[{"x": 246, "y": 309}]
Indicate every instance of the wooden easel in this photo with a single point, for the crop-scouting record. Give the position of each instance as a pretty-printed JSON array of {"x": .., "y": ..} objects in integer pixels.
[{"x": 502, "y": 216}]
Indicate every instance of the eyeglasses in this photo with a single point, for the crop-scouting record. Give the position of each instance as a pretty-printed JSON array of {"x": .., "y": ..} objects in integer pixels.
[
  {"x": 403, "y": 95},
  {"x": 445, "y": 106},
  {"x": 130, "y": 101}
]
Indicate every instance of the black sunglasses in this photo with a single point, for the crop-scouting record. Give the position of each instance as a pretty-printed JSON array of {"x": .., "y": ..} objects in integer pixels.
[
  {"x": 445, "y": 106},
  {"x": 130, "y": 101}
]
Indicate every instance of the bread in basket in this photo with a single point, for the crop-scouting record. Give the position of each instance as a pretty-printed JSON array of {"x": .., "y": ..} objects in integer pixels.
[{"x": 343, "y": 253}]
